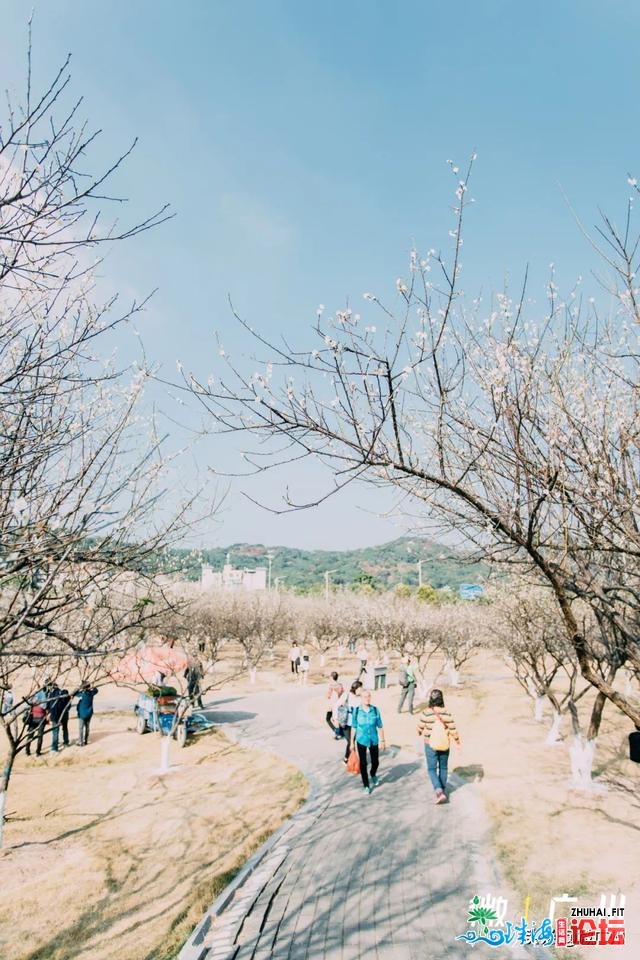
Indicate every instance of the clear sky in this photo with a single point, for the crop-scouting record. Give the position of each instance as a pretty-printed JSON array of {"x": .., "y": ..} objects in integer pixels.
[{"x": 303, "y": 147}]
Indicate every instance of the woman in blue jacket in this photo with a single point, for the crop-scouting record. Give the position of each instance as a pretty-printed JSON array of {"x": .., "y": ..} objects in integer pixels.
[{"x": 367, "y": 733}]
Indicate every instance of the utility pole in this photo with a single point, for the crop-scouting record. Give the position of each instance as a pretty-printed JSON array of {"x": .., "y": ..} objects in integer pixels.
[
  {"x": 270, "y": 556},
  {"x": 327, "y": 574},
  {"x": 420, "y": 562}
]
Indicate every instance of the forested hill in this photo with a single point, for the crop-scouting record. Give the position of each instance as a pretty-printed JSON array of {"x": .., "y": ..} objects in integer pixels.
[{"x": 382, "y": 566}]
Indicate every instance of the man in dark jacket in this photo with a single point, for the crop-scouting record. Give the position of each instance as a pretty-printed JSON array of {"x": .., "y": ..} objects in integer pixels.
[
  {"x": 54, "y": 709},
  {"x": 85, "y": 711}
]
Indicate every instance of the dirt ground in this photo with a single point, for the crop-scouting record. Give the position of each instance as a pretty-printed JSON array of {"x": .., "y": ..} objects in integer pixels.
[{"x": 101, "y": 849}]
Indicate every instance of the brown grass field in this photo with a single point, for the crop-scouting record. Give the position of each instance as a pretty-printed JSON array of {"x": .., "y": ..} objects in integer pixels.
[{"x": 101, "y": 850}]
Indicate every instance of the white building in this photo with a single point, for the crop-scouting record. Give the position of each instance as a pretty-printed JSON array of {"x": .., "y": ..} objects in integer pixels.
[{"x": 232, "y": 578}]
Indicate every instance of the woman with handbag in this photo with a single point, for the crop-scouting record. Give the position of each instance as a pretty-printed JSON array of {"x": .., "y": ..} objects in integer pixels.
[
  {"x": 437, "y": 728},
  {"x": 367, "y": 733}
]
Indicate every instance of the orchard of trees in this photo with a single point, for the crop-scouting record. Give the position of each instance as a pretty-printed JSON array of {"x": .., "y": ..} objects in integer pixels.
[
  {"x": 514, "y": 432},
  {"x": 510, "y": 427}
]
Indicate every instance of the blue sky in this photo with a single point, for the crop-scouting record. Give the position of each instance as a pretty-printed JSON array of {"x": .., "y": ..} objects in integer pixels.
[{"x": 303, "y": 147}]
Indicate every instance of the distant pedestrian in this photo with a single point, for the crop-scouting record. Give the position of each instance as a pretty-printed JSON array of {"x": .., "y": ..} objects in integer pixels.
[
  {"x": 305, "y": 663},
  {"x": 85, "y": 696},
  {"x": 437, "y": 728},
  {"x": 363, "y": 654},
  {"x": 6, "y": 701},
  {"x": 334, "y": 693},
  {"x": 193, "y": 675},
  {"x": 367, "y": 733},
  {"x": 35, "y": 719},
  {"x": 54, "y": 709},
  {"x": 348, "y": 702},
  {"x": 408, "y": 683},
  {"x": 294, "y": 658}
]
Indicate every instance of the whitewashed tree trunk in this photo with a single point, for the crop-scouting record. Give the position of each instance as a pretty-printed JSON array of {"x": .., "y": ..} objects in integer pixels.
[
  {"x": 538, "y": 701},
  {"x": 553, "y": 737},
  {"x": 252, "y": 674},
  {"x": 341, "y": 652},
  {"x": 453, "y": 675},
  {"x": 581, "y": 753},
  {"x": 165, "y": 746},
  {"x": 323, "y": 659},
  {"x": 3, "y": 803}
]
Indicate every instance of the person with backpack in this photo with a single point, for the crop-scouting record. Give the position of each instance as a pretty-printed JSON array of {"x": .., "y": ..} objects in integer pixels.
[
  {"x": 348, "y": 702},
  {"x": 437, "y": 728},
  {"x": 85, "y": 711},
  {"x": 367, "y": 733},
  {"x": 35, "y": 718},
  {"x": 408, "y": 680}
]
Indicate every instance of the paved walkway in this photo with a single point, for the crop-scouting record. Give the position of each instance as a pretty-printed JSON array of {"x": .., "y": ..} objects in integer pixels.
[{"x": 387, "y": 876}]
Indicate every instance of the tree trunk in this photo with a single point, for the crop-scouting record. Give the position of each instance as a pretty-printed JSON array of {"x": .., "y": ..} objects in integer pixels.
[
  {"x": 581, "y": 753},
  {"x": 4, "y": 786},
  {"x": 452, "y": 674},
  {"x": 252, "y": 674},
  {"x": 538, "y": 709},
  {"x": 553, "y": 737}
]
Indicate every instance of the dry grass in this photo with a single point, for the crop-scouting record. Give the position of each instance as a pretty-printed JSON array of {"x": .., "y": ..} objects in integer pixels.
[{"x": 107, "y": 859}]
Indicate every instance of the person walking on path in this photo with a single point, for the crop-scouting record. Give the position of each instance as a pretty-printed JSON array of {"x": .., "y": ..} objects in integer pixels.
[
  {"x": 334, "y": 693},
  {"x": 348, "y": 702},
  {"x": 294, "y": 658},
  {"x": 305, "y": 663},
  {"x": 408, "y": 682},
  {"x": 367, "y": 733},
  {"x": 85, "y": 711},
  {"x": 437, "y": 728},
  {"x": 363, "y": 655}
]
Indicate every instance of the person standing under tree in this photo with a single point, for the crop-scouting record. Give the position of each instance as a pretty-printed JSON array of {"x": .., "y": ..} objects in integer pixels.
[
  {"x": 85, "y": 711},
  {"x": 367, "y": 733},
  {"x": 408, "y": 682},
  {"x": 55, "y": 707},
  {"x": 437, "y": 728}
]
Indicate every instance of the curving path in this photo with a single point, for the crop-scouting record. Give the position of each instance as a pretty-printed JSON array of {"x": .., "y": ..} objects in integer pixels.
[{"x": 387, "y": 876}]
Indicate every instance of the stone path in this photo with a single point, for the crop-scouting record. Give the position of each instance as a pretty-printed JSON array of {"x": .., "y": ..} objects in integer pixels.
[{"x": 387, "y": 876}]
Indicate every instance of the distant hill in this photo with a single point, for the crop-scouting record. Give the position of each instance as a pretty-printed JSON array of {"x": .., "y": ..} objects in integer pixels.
[{"x": 384, "y": 566}]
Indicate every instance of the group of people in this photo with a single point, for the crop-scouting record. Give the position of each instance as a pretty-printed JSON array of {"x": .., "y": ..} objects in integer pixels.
[
  {"x": 353, "y": 716},
  {"x": 51, "y": 706},
  {"x": 300, "y": 663}
]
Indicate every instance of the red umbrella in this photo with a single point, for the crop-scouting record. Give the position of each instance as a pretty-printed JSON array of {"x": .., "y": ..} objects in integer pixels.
[{"x": 147, "y": 662}]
